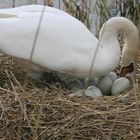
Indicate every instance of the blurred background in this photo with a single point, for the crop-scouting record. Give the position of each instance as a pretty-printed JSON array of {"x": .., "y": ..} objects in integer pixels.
[{"x": 93, "y": 13}]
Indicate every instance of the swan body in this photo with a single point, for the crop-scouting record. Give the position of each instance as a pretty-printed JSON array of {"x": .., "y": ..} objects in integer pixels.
[{"x": 64, "y": 45}]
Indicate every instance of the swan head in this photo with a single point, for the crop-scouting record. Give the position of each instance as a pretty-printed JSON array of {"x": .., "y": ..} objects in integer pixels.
[
  {"x": 128, "y": 60},
  {"x": 108, "y": 36},
  {"x": 127, "y": 69},
  {"x": 130, "y": 50}
]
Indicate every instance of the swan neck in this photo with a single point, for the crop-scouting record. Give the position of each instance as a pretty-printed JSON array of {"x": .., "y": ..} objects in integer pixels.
[
  {"x": 108, "y": 38},
  {"x": 116, "y": 25}
]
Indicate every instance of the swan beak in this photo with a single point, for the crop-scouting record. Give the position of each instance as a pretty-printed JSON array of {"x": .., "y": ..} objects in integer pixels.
[{"x": 126, "y": 70}]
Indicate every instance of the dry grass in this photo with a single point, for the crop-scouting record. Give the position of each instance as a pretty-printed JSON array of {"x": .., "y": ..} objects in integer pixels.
[{"x": 33, "y": 111}]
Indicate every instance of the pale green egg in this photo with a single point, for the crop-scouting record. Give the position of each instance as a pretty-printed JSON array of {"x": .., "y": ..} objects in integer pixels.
[
  {"x": 120, "y": 85},
  {"x": 90, "y": 82},
  {"x": 113, "y": 76},
  {"x": 105, "y": 84},
  {"x": 74, "y": 84},
  {"x": 93, "y": 91}
]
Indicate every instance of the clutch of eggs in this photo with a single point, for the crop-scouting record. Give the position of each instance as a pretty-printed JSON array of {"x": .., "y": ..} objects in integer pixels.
[
  {"x": 107, "y": 85},
  {"x": 112, "y": 85}
]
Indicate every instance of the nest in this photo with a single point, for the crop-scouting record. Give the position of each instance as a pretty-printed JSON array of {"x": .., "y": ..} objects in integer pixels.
[{"x": 30, "y": 110}]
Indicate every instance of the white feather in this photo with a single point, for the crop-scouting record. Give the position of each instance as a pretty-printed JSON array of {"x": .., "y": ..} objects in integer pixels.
[{"x": 64, "y": 44}]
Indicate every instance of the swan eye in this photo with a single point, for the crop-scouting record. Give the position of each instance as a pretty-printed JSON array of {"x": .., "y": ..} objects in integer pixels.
[{"x": 127, "y": 69}]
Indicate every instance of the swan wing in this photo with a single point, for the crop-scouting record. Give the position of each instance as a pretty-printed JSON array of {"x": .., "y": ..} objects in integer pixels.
[{"x": 63, "y": 44}]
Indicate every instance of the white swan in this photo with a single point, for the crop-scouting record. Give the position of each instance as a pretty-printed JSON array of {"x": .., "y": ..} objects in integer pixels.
[{"x": 64, "y": 44}]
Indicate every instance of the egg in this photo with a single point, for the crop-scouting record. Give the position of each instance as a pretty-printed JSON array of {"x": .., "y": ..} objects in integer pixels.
[
  {"x": 90, "y": 82},
  {"x": 93, "y": 91},
  {"x": 113, "y": 76},
  {"x": 104, "y": 84},
  {"x": 120, "y": 85},
  {"x": 74, "y": 90},
  {"x": 74, "y": 84}
]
